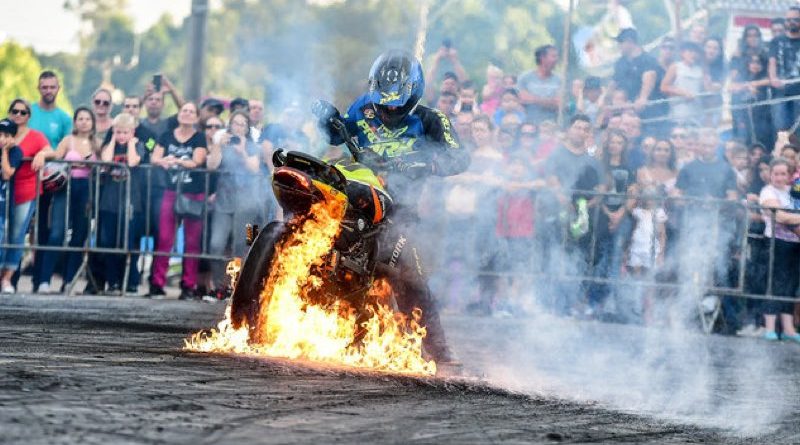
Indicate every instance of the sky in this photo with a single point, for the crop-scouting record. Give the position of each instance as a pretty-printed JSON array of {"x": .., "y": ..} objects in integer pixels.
[{"x": 45, "y": 25}]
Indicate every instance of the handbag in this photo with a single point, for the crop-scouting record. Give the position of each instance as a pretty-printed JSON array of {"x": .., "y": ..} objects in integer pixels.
[{"x": 187, "y": 207}]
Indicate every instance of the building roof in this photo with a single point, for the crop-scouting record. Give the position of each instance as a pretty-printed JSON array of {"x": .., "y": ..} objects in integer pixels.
[{"x": 765, "y": 6}]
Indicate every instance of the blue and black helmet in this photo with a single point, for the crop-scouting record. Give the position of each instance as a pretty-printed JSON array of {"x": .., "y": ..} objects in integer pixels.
[{"x": 396, "y": 84}]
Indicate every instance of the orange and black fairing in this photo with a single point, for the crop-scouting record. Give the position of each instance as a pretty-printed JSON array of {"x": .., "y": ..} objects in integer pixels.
[
  {"x": 372, "y": 203},
  {"x": 294, "y": 190},
  {"x": 303, "y": 180}
]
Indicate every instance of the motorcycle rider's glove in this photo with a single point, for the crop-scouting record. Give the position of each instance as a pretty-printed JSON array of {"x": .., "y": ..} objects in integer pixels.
[
  {"x": 325, "y": 112},
  {"x": 411, "y": 168},
  {"x": 373, "y": 160}
]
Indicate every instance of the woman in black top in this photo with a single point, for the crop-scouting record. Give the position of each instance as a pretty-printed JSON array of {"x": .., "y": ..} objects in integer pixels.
[
  {"x": 613, "y": 226},
  {"x": 181, "y": 152}
]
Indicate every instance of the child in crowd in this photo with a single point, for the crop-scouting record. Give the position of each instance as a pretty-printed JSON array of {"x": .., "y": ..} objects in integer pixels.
[
  {"x": 515, "y": 231},
  {"x": 789, "y": 152},
  {"x": 509, "y": 104},
  {"x": 467, "y": 99},
  {"x": 649, "y": 233},
  {"x": 126, "y": 150},
  {"x": 647, "y": 243},
  {"x": 10, "y": 159},
  {"x": 737, "y": 156},
  {"x": 588, "y": 97}
]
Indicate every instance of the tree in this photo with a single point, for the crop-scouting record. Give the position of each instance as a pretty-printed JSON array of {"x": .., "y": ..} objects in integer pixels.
[{"x": 19, "y": 71}]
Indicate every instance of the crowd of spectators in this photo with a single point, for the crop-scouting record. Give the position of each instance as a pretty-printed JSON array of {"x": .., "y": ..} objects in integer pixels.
[
  {"x": 673, "y": 170},
  {"x": 638, "y": 184}
]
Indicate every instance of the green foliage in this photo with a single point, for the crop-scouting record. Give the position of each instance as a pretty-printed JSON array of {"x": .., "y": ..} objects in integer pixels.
[
  {"x": 289, "y": 50},
  {"x": 505, "y": 32},
  {"x": 19, "y": 72}
]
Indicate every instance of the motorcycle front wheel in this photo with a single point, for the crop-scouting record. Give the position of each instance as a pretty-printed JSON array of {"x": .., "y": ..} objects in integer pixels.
[{"x": 246, "y": 298}]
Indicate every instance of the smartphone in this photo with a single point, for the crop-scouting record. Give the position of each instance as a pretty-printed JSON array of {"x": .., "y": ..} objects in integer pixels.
[
  {"x": 235, "y": 140},
  {"x": 157, "y": 82},
  {"x": 447, "y": 43}
]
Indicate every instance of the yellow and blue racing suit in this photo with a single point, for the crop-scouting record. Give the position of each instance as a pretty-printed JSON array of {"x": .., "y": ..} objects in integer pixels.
[{"x": 425, "y": 135}]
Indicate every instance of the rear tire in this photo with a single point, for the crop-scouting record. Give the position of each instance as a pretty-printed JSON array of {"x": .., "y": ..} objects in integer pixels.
[{"x": 246, "y": 299}]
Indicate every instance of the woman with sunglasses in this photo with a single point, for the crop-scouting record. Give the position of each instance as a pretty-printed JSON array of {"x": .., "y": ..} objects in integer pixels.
[
  {"x": 101, "y": 106},
  {"x": 34, "y": 145}
]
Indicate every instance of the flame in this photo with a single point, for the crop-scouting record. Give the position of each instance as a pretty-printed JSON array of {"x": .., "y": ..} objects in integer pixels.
[{"x": 291, "y": 327}]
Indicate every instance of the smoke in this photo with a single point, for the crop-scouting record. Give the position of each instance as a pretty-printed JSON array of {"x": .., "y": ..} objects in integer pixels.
[{"x": 671, "y": 370}]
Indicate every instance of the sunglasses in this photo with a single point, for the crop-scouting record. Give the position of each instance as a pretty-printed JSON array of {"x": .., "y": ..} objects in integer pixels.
[
  {"x": 213, "y": 126},
  {"x": 127, "y": 105},
  {"x": 104, "y": 103},
  {"x": 17, "y": 111},
  {"x": 678, "y": 136},
  {"x": 527, "y": 134}
]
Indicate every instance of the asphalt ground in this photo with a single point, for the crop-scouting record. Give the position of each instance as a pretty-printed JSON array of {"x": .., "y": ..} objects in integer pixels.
[{"x": 112, "y": 370}]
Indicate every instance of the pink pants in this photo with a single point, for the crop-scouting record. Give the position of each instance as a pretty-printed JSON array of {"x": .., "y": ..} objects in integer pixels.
[{"x": 192, "y": 235}]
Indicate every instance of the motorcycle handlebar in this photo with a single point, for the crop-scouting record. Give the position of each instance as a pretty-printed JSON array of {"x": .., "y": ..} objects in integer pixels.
[{"x": 341, "y": 128}]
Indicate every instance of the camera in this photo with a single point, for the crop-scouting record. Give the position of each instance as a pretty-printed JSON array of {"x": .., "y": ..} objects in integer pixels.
[
  {"x": 157, "y": 82},
  {"x": 447, "y": 43},
  {"x": 235, "y": 140}
]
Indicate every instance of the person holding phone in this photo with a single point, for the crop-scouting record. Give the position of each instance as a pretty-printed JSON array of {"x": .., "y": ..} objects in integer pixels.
[
  {"x": 154, "y": 95},
  {"x": 452, "y": 79},
  {"x": 237, "y": 159}
]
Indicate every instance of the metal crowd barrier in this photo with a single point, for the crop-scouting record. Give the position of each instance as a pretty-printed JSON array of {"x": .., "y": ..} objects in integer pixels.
[
  {"x": 37, "y": 243},
  {"x": 728, "y": 228},
  {"x": 733, "y": 211}
]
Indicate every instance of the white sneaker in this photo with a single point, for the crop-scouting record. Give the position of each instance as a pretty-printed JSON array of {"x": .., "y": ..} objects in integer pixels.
[
  {"x": 7, "y": 288},
  {"x": 44, "y": 288}
]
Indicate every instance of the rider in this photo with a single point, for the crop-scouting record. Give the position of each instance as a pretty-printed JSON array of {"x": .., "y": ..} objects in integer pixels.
[{"x": 408, "y": 142}]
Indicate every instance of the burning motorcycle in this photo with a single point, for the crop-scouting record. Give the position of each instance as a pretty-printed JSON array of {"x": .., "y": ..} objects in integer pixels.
[{"x": 323, "y": 267}]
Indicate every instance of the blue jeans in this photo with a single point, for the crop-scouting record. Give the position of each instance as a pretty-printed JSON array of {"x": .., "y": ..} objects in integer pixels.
[
  {"x": 112, "y": 230},
  {"x": 78, "y": 221},
  {"x": 609, "y": 250},
  {"x": 784, "y": 114},
  {"x": 20, "y": 220}
]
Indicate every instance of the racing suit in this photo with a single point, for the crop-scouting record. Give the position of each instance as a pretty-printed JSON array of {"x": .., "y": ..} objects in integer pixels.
[{"x": 425, "y": 138}]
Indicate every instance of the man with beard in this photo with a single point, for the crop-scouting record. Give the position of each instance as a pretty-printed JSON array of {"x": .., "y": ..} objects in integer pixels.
[
  {"x": 56, "y": 124},
  {"x": 784, "y": 70},
  {"x": 46, "y": 117},
  {"x": 573, "y": 175}
]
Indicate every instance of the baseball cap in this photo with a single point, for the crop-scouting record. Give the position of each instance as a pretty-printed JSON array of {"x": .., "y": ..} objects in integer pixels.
[
  {"x": 215, "y": 104},
  {"x": 628, "y": 34},
  {"x": 8, "y": 127},
  {"x": 239, "y": 102}
]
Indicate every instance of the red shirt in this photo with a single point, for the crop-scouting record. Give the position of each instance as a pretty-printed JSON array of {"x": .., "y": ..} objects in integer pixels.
[
  {"x": 25, "y": 177},
  {"x": 515, "y": 216}
]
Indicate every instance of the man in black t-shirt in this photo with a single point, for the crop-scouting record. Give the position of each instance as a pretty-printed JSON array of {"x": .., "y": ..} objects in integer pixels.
[
  {"x": 570, "y": 170},
  {"x": 569, "y": 167},
  {"x": 708, "y": 224},
  {"x": 707, "y": 176},
  {"x": 636, "y": 73},
  {"x": 784, "y": 69}
]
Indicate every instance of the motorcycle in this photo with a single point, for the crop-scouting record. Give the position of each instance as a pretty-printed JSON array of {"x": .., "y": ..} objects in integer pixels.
[{"x": 349, "y": 270}]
